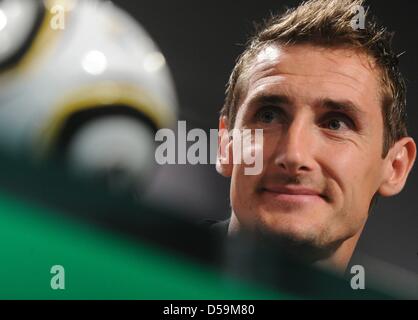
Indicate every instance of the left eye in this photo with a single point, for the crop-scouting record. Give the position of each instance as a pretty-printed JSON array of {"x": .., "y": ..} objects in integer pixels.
[
  {"x": 338, "y": 123},
  {"x": 335, "y": 124}
]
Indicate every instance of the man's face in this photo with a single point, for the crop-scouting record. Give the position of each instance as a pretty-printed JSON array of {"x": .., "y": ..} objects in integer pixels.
[{"x": 320, "y": 109}]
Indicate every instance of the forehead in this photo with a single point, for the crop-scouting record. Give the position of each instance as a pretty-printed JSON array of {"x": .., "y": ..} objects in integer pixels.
[{"x": 306, "y": 72}]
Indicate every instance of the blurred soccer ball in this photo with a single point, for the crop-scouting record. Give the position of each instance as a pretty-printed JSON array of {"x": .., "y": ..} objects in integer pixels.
[{"x": 82, "y": 81}]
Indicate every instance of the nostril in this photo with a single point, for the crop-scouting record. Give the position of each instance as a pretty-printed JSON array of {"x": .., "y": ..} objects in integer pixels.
[{"x": 292, "y": 167}]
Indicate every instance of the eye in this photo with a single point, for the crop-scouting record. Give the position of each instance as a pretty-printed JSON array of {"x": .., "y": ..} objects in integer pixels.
[
  {"x": 338, "y": 123},
  {"x": 268, "y": 114},
  {"x": 335, "y": 124}
]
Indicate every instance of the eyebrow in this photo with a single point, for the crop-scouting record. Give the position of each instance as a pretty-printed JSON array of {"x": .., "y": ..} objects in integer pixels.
[
  {"x": 346, "y": 106},
  {"x": 270, "y": 99}
]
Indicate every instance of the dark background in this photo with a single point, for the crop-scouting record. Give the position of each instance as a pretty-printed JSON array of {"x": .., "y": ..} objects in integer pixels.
[{"x": 201, "y": 40}]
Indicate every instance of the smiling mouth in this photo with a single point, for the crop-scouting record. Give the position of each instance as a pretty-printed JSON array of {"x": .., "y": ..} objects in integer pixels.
[{"x": 292, "y": 194}]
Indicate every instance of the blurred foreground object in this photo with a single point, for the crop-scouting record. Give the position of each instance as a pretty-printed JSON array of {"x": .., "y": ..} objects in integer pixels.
[{"x": 82, "y": 81}]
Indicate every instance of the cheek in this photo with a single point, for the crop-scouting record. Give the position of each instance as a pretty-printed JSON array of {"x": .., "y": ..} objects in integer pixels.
[
  {"x": 355, "y": 173},
  {"x": 269, "y": 150},
  {"x": 249, "y": 156},
  {"x": 244, "y": 184},
  {"x": 243, "y": 195}
]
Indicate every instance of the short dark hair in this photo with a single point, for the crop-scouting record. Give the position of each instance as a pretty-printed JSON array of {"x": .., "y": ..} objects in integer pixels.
[{"x": 328, "y": 23}]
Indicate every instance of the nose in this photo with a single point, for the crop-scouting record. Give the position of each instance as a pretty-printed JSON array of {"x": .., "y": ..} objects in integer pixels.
[{"x": 294, "y": 149}]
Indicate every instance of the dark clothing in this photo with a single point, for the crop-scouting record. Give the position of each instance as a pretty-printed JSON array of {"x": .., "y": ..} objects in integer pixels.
[{"x": 218, "y": 227}]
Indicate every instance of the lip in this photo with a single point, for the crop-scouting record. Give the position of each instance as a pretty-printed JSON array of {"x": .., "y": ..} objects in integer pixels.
[{"x": 292, "y": 194}]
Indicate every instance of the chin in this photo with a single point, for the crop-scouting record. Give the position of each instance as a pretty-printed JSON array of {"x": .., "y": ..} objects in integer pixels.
[{"x": 294, "y": 232}]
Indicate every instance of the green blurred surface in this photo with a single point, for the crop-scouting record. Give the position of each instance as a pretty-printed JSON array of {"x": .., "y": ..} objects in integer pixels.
[{"x": 97, "y": 265}]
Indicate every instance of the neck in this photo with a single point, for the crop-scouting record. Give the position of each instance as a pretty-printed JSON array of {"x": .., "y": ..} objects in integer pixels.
[{"x": 338, "y": 260}]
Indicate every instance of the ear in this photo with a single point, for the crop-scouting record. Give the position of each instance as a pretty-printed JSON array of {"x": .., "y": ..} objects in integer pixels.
[
  {"x": 399, "y": 162},
  {"x": 224, "y": 161}
]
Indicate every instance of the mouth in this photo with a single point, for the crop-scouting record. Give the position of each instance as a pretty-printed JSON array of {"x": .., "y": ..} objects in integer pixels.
[{"x": 288, "y": 194}]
